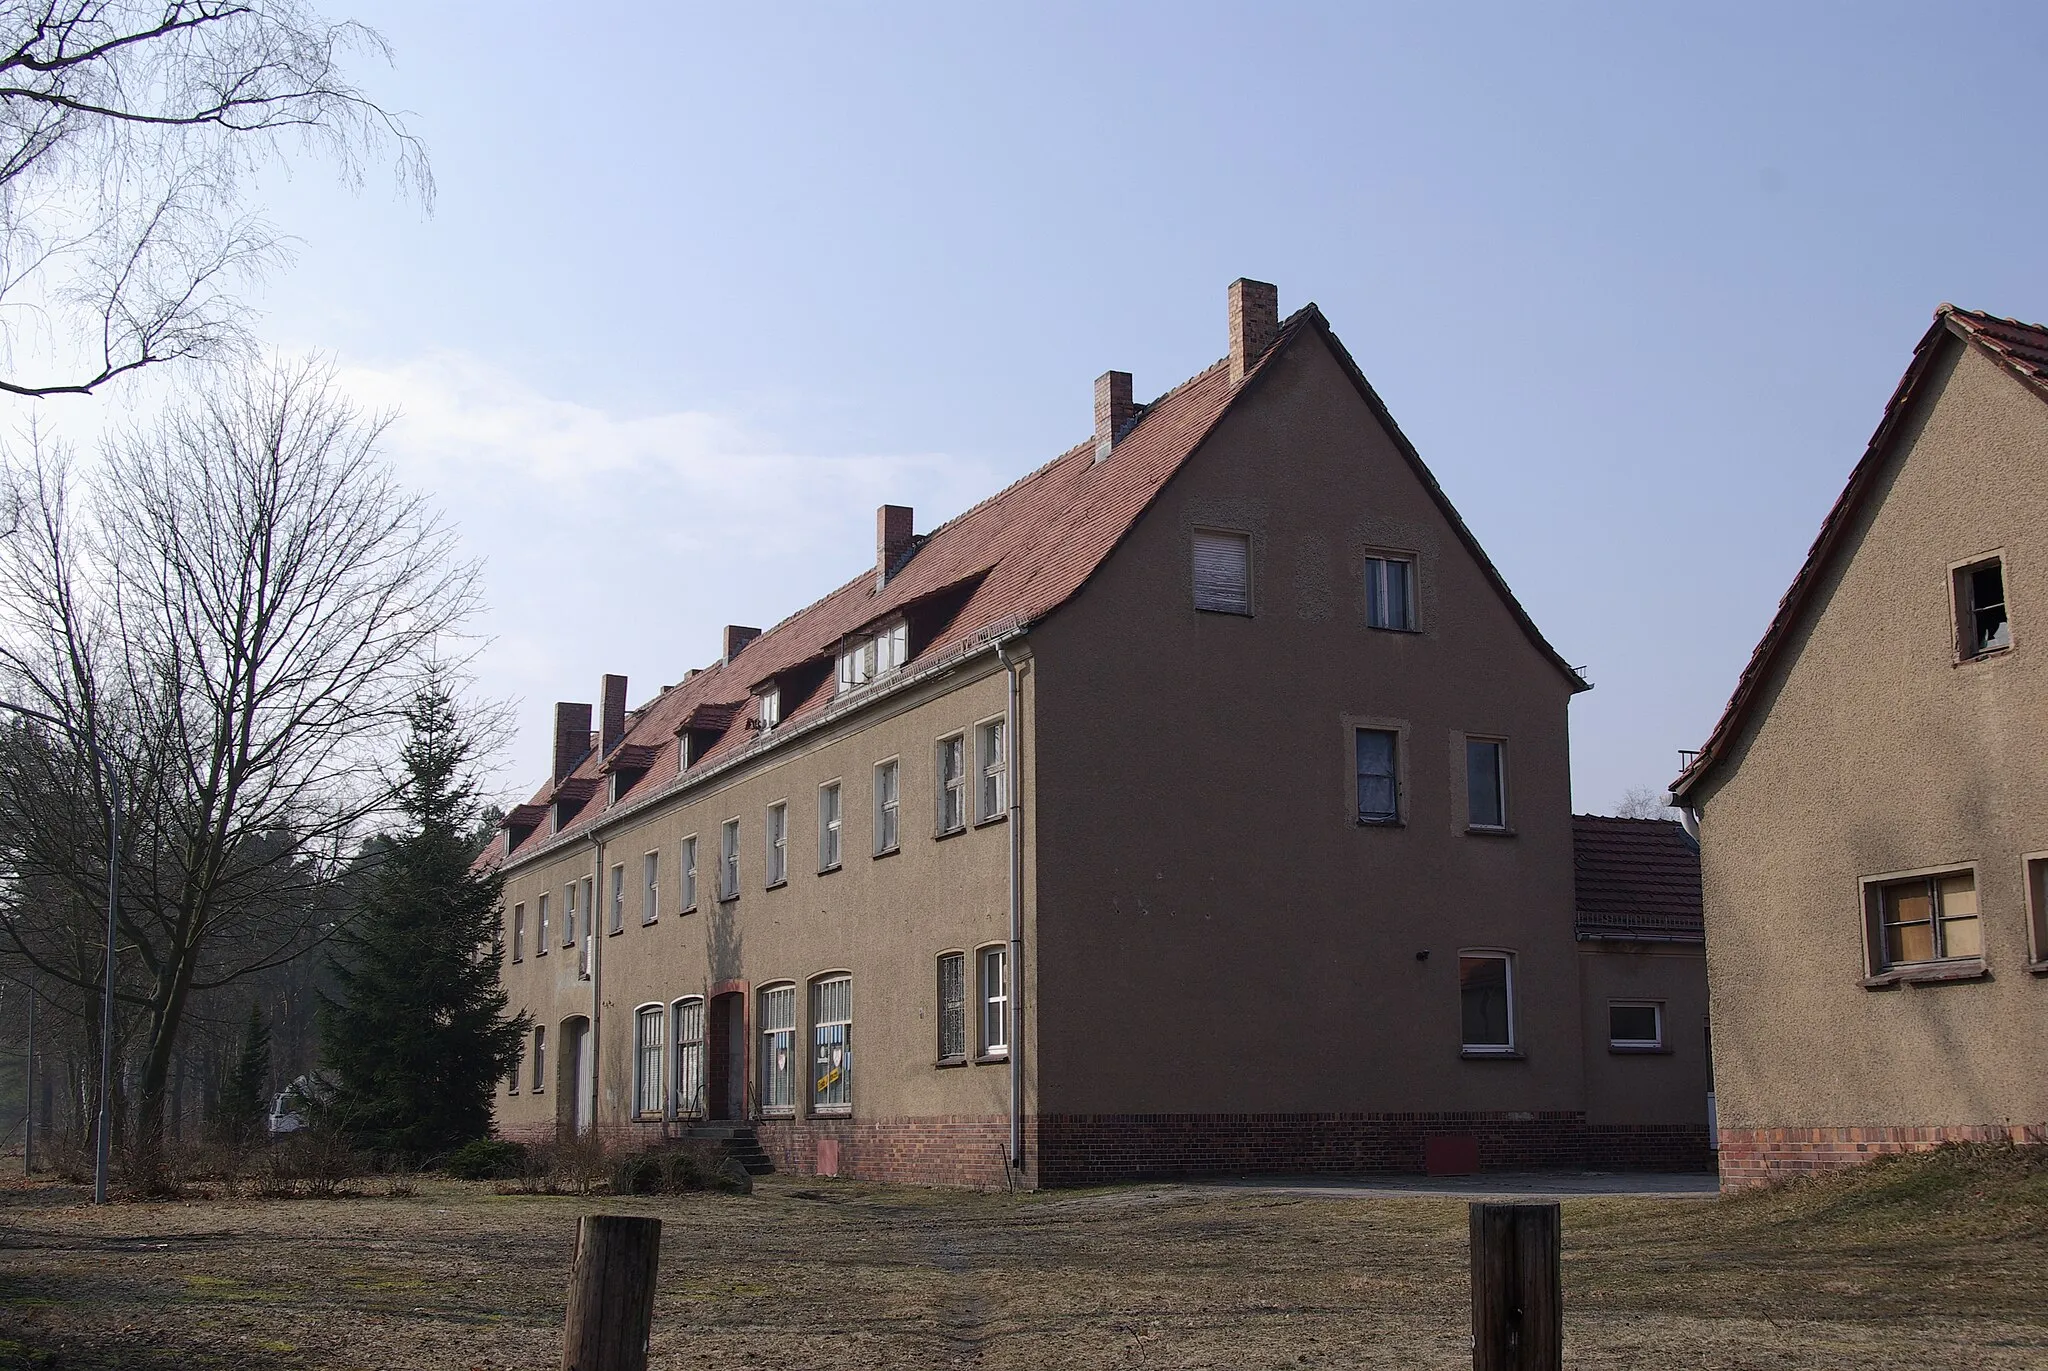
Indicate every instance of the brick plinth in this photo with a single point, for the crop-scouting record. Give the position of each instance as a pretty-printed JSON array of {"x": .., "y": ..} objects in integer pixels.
[
  {"x": 1758, "y": 1156},
  {"x": 963, "y": 1150}
]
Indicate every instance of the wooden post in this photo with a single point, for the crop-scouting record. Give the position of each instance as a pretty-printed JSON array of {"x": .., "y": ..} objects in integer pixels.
[
  {"x": 611, "y": 1293},
  {"x": 1517, "y": 1290}
]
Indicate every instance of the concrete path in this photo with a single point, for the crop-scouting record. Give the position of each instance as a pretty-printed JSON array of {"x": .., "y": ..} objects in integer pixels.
[{"x": 1491, "y": 1185}]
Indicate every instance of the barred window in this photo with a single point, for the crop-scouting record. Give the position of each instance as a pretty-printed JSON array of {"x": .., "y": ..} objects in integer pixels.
[
  {"x": 953, "y": 1007},
  {"x": 689, "y": 1084},
  {"x": 647, "y": 1060},
  {"x": 778, "y": 1050},
  {"x": 832, "y": 1044}
]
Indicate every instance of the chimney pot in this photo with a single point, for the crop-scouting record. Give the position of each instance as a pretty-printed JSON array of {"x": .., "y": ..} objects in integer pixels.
[
  {"x": 572, "y": 738},
  {"x": 893, "y": 536},
  {"x": 612, "y": 721},
  {"x": 1113, "y": 409},
  {"x": 737, "y": 636},
  {"x": 1254, "y": 323}
]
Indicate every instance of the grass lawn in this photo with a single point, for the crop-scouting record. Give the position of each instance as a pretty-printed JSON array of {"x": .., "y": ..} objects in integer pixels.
[{"x": 1934, "y": 1261}]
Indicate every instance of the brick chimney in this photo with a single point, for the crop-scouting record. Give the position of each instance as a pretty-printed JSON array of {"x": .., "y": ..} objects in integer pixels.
[
  {"x": 892, "y": 540},
  {"x": 1254, "y": 323},
  {"x": 737, "y": 636},
  {"x": 1113, "y": 409},
  {"x": 572, "y": 738},
  {"x": 611, "y": 728}
]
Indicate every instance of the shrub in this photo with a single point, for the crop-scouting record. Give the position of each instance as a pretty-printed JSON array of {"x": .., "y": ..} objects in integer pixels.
[
  {"x": 485, "y": 1159},
  {"x": 680, "y": 1168}
]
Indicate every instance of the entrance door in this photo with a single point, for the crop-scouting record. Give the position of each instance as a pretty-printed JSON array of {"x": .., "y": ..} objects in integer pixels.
[
  {"x": 572, "y": 1105},
  {"x": 725, "y": 1084}
]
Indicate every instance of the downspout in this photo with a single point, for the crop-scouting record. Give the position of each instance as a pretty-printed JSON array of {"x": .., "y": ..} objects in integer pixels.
[
  {"x": 1015, "y": 775},
  {"x": 597, "y": 900}
]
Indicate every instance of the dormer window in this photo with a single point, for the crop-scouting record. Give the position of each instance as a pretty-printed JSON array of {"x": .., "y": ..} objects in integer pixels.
[
  {"x": 864, "y": 658},
  {"x": 770, "y": 707}
]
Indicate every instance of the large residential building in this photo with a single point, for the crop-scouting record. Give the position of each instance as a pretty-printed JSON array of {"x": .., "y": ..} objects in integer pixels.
[
  {"x": 1198, "y": 803},
  {"x": 1873, "y": 803}
]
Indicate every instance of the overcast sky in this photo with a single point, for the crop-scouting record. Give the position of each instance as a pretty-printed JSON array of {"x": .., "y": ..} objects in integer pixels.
[{"x": 706, "y": 284}]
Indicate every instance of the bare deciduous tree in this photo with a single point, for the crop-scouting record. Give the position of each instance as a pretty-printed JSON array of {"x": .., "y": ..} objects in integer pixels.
[
  {"x": 236, "y": 605},
  {"x": 129, "y": 130},
  {"x": 1641, "y": 802}
]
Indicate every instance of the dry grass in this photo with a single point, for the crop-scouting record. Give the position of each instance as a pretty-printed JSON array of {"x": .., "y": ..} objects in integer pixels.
[{"x": 1933, "y": 1261}]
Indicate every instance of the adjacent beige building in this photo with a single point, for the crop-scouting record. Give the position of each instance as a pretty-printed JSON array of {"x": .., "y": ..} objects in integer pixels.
[
  {"x": 1198, "y": 803},
  {"x": 1873, "y": 804}
]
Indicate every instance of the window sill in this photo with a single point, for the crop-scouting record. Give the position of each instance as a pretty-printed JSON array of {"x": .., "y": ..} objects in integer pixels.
[
  {"x": 1637, "y": 1050},
  {"x": 616, "y": 932},
  {"x": 687, "y": 909},
  {"x": 776, "y": 885},
  {"x": 778, "y": 1114},
  {"x": 1392, "y": 628},
  {"x": 729, "y": 899},
  {"x": 1228, "y": 613},
  {"x": 1929, "y": 973},
  {"x": 1381, "y": 823},
  {"x": 2039, "y": 968},
  {"x": 649, "y": 923},
  {"x": 1493, "y": 1054},
  {"x": 828, "y": 870},
  {"x": 942, "y": 834},
  {"x": 1990, "y": 656},
  {"x": 992, "y": 1058},
  {"x": 946, "y": 1063},
  {"x": 1002, "y": 816},
  {"x": 842, "y": 1111},
  {"x": 888, "y": 852},
  {"x": 1487, "y": 831}
]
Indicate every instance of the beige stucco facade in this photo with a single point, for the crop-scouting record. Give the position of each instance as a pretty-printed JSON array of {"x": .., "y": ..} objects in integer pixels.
[{"x": 1873, "y": 748}]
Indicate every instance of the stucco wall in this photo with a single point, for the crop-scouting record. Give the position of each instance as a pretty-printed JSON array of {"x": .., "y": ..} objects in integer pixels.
[
  {"x": 884, "y": 919},
  {"x": 1217, "y": 932},
  {"x": 1625, "y": 1087},
  {"x": 1874, "y": 751}
]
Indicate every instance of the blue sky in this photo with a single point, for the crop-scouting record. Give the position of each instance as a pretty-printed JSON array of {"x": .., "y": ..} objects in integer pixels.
[{"x": 706, "y": 284}]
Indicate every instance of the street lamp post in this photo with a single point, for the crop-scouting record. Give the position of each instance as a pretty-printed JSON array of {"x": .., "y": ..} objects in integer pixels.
[{"x": 104, "y": 1131}]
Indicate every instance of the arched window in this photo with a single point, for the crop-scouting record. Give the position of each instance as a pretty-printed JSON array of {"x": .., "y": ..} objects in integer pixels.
[
  {"x": 690, "y": 1057},
  {"x": 832, "y": 1044},
  {"x": 778, "y": 1050},
  {"x": 647, "y": 1078}
]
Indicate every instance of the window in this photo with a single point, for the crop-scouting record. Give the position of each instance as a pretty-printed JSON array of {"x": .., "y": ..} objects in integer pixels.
[
  {"x": 1924, "y": 919},
  {"x": 864, "y": 658},
  {"x": 2037, "y": 912},
  {"x": 650, "y": 896},
  {"x": 992, "y": 767},
  {"x": 885, "y": 807},
  {"x": 1379, "y": 794},
  {"x": 540, "y": 927},
  {"x": 618, "y": 924},
  {"x": 778, "y": 1050},
  {"x": 1390, "y": 593},
  {"x": 1981, "y": 624},
  {"x": 518, "y": 932},
  {"x": 892, "y": 648},
  {"x": 729, "y": 860},
  {"x": 1486, "y": 993},
  {"x": 689, "y": 1084},
  {"x": 828, "y": 826},
  {"x": 689, "y": 861},
  {"x": 589, "y": 917},
  {"x": 778, "y": 844},
  {"x": 952, "y": 784},
  {"x": 647, "y": 1082},
  {"x": 540, "y": 1060},
  {"x": 512, "y": 1081},
  {"x": 1486, "y": 799},
  {"x": 994, "y": 975},
  {"x": 1635, "y": 1025},
  {"x": 832, "y": 1045},
  {"x": 1223, "y": 572},
  {"x": 953, "y": 1007},
  {"x": 569, "y": 915},
  {"x": 771, "y": 707}
]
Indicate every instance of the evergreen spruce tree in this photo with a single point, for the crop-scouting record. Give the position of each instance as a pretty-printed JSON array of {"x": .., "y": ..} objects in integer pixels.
[
  {"x": 415, "y": 1039},
  {"x": 240, "y": 1112}
]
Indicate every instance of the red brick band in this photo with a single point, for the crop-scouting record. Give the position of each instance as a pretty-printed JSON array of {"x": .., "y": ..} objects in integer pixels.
[{"x": 1758, "y": 1156}]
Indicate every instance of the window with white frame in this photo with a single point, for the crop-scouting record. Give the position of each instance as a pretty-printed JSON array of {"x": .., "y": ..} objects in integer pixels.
[
  {"x": 770, "y": 701},
  {"x": 1635, "y": 1025},
  {"x": 540, "y": 926},
  {"x": 1486, "y": 995},
  {"x": 1223, "y": 572},
  {"x": 868, "y": 656},
  {"x": 832, "y": 1045},
  {"x": 618, "y": 923},
  {"x": 590, "y": 929},
  {"x": 828, "y": 826},
  {"x": 778, "y": 844},
  {"x": 569, "y": 915},
  {"x": 1390, "y": 592},
  {"x": 688, "y": 860},
  {"x": 953, "y": 1007},
  {"x": 689, "y": 1057},
  {"x": 778, "y": 1050},
  {"x": 994, "y": 978},
  {"x": 992, "y": 771},
  {"x": 647, "y": 1077},
  {"x": 540, "y": 1060},
  {"x": 952, "y": 768},
  {"x": 1379, "y": 785},
  {"x": 887, "y": 830},
  {"x": 650, "y": 887},
  {"x": 518, "y": 932},
  {"x": 1486, "y": 783},
  {"x": 729, "y": 860}
]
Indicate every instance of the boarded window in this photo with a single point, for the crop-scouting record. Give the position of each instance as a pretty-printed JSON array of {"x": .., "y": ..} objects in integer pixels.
[
  {"x": 1223, "y": 572},
  {"x": 1927, "y": 919}
]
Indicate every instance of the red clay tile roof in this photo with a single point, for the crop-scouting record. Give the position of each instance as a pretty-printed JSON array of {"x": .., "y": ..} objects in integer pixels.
[
  {"x": 1008, "y": 562},
  {"x": 2021, "y": 348},
  {"x": 1637, "y": 880}
]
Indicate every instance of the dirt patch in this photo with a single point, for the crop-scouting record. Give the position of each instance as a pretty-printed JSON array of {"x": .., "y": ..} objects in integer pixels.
[{"x": 1904, "y": 1268}]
